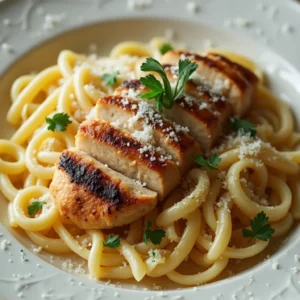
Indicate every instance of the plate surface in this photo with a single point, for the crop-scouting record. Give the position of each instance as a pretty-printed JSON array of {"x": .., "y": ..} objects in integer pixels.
[{"x": 266, "y": 31}]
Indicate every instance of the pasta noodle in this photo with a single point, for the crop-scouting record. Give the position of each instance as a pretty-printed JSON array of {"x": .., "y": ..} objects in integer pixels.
[{"x": 203, "y": 222}]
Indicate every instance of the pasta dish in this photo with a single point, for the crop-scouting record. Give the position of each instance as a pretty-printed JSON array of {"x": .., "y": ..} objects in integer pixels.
[{"x": 151, "y": 158}]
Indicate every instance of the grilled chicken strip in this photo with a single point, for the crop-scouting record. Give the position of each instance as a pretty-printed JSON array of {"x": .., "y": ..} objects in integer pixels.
[
  {"x": 202, "y": 111},
  {"x": 222, "y": 75},
  {"x": 125, "y": 154},
  {"x": 148, "y": 126},
  {"x": 94, "y": 196}
]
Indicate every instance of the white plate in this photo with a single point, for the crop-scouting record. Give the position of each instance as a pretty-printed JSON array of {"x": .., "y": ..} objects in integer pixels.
[{"x": 264, "y": 39}]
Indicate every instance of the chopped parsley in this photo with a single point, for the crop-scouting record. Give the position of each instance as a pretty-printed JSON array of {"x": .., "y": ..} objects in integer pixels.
[
  {"x": 164, "y": 95},
  {"x": 110, "y": 79},
  {"x": 165, "y": 48},
  {"x": 112, "y": 241},
  {"x": 210, "y": 163},
  {"x": 34, "y": 207},
  {"x": 243, "y": 126},
  {"x": 260, "y": 228},
  {"x": 155, "y": 236},
  {"x": 59, "y": 122}
]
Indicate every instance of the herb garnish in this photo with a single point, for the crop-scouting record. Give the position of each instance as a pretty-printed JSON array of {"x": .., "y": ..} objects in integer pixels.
[
  {"x": 243, "y": 126},
  {"x": 112, "y": 241},
  {"x": 260, "y": 228},
  {"x": 163, "y": 94},
  {"x": 34, "y": 207},
  {"x": 210, "y": 163},
  {"x": 59, "y": 122},
  {"x": 165, "y": 48},
  {"x": 155, "y": 236},
  {"x": 110, "y": 79}
]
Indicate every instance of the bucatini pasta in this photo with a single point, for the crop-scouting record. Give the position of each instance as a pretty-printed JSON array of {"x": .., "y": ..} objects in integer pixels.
[{"x": 203, "y": 223}]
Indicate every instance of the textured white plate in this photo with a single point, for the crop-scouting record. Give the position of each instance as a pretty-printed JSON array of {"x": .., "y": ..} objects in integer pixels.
[{"x": 258, "y": 29}]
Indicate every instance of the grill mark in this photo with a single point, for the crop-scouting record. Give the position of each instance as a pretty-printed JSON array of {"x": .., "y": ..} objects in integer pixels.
[
  {"x": 93, "y": 179},
  {"x": 131, "y": 84},
  {"x": 103, "y": 132},
  {"x": 215, "y": 64},
  {"x": 249, "y": 75},
  {"x": 185, "y": 140}
]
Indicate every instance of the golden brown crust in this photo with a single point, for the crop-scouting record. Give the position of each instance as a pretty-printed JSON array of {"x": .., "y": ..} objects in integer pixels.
[
  {"x": 218, "y": 65},
  {"x": 164, "y": 126},
  {"x": 247, "y": 74},
  {"x": 93, "y": 199},
  {"x": 103, "y": 132}
]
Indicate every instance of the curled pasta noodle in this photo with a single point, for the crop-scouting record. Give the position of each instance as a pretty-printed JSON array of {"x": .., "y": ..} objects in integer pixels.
[
  {"x": 17, "y": 152},
  {"x": 52, "y": 245},
  {"x": 189, "y": 203},
  {"x": 201, "y": 277},
  {"x": 38, "y": 170},
  {"x": 7, "y": 188},
  {"x": 246, "y": 205},
  {"x": 47, "y": 76},
  {"x": 183, "y": 248},
  {"x": 134, "y": 259},
  {"x": 67, "y": 61},
  {"x": 223, "y": 234},
  {"x": 70, "y": 241},
  {"x": 36, "y": 119},
  {"x": 130, "y": 48},
  {"x": 80, "y": 77},
  {"x": 94, "y": 258},
  {"x": 43, "y": 221},
  {"x": 18, "y": 85}
]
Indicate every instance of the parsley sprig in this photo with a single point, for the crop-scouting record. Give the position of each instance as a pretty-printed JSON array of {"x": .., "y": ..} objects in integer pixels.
[
  {"x": 260, "y": 228},
  {"x": 155, "y": 236},
  {"x": 59, "y": 122},
  {"x": 34, "y": 207},
  {"x": 210, "y": 163},
  {"x": 165, "y": 48},
  {"x": 110, "y": 79},
  {"x": 243, "y": 126},
  {"x": 164, "y": 95},
  {"x": 112, "y": 241}
]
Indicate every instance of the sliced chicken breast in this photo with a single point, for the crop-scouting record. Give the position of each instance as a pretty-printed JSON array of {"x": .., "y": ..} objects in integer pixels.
[
  {"x": 222, "y": 76},
  {"x": 94, "y": 196},
  {"x": 202, "y": 111},
  {"x": 206, "y": 116},
  {"x": 148, "y": 126},
  {"x": 125, "y": 154}
]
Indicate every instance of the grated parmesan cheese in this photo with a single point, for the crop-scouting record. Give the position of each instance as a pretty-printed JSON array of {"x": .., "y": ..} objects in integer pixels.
[
  {"x": 7, "y": 48},
  {"x": 4, "y": 244},
  {"x": 192, "y": 7},
  {"x": 51, "y": 21},
  {"x": 138, "y": 4},
  {"x": 144, "y": 136},
  {"x": 73, "y": 267},
  {"x": 275, "y": 265}
]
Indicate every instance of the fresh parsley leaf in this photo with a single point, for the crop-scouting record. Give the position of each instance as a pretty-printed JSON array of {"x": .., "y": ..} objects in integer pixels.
[
  {"x": 260, "y": 228},
  {"x": 59, "y": 122},
  {"x": 110, "y": 79},
  {"x": 211, "y": 163},
  {"x": 165, "y": 97},
  {"x": 155, "y": 236},
  {"x": 165, "y": 48},
  {"x": 34, "y": 207},
  {"x": 243, "y": 126},
  {"x": 152, "y": 65},
  {"x": 185, "y": 69},
  {"x": 112, "y": 241},
  {"x": 154, "y": 85}
]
